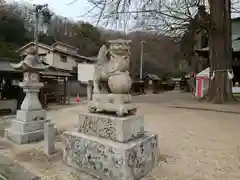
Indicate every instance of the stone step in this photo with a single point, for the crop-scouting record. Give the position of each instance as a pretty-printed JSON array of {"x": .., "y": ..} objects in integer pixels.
[
  {"x": 24, "y": 138},
  {"x": 121, "y": 129},
  {"x": 109, "y": 160},
  {"x": 25, "y": 127}
]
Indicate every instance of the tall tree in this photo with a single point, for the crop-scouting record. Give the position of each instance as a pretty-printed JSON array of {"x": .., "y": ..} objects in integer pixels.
[{"x": 220, "y": 90}]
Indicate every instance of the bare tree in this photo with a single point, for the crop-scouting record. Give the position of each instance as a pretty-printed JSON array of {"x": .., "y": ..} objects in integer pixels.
[
  {"x": 162, "y": 16},
  {"x": 235, "y": 9},
  {"x": 170, "y": 17}
]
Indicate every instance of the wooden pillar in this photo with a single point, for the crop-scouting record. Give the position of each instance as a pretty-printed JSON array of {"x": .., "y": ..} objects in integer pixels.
[
  {"x": 56, "y": 90},
  {"x": 68, "y": 91},
  {"x": 89, "y": 90},
  {"x": 65, "y": 90}
]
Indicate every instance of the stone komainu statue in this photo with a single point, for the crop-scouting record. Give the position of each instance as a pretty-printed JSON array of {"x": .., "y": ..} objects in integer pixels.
[
  {"x": 108, "y": 70},
  {"x": 112, "y": 81}
]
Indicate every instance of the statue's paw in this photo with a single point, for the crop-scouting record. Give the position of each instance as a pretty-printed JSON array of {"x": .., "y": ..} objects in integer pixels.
[
  {"x": 121, "y": 112},
  {"x": 133, "y": 111},
  {"x": 92, "y": 109}
]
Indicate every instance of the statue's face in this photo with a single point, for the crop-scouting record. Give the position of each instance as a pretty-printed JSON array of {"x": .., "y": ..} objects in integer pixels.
[
  {"x": 120, "y": 57},
  {"x": 121, "y": 52}
]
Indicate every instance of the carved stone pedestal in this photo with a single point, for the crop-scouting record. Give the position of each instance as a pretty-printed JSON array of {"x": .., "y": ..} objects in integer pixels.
[
  {"x": 120, "y": 129},
  {"x": 111, "y": 148},
  {"x": 115, "y": 103},
  {"x": 29, "y": 123}
]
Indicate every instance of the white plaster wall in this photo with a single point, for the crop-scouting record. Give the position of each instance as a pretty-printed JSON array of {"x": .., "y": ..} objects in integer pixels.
[{"x": 57, "y": 63}]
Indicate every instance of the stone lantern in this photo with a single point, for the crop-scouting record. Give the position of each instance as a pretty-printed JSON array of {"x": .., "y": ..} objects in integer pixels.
[{"x": 29, "y": 123}]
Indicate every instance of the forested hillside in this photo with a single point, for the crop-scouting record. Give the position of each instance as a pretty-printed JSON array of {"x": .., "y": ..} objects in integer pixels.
[{"x": 17, "y": 26}]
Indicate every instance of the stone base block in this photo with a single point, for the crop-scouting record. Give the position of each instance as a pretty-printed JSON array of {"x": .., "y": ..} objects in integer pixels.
[
  {"x": 119, "y": 129},
  {"x": 112, "y": 98},
  {"x": 25, "y": 127},
  {"x": 24, "y": 138},
  {"x": 29, "y": 116},
  {"x": 119, "y": 109},
  {"x": 109, "y": 160}
]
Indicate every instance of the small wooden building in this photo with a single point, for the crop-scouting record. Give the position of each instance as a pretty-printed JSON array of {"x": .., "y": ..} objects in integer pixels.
[
  {"x": 11, "y": 95},
  {"x": 56, "y": 88},
  {"x": 152, "y": 81},
  {"x": 10, "y": 92}
]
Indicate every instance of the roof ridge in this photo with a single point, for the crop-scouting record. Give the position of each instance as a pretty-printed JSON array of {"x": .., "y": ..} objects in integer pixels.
[{"x": 65, "y": 44}]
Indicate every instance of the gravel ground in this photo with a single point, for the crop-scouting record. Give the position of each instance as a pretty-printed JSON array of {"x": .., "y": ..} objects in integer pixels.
[
  {"x": 194, "y": 145},
  {"x": 198, "y": 145}
]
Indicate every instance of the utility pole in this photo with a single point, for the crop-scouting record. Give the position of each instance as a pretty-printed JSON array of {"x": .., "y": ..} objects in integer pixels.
[
  {"x": 141, "y": 60},
  {"x": 39, "y": 9}
]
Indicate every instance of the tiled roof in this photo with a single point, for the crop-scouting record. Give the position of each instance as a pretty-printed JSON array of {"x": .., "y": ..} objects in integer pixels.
[
  {"x": 6, "y": 66},
  {"x": 152, "y": 77},
  {"x": 235, "y": 46},
  {"x": 64, "y": 44},
  {"x": 52, "y": 48}
]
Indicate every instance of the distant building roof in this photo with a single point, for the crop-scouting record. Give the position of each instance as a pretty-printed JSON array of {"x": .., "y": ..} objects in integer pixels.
[
  {"x": 45, "y": 46},
  {"x": 176, "y": 79},
  {"x": 235, "y": 37},
  {"x": 55, "y": 73},
  {"x": 52, "y": 48},
  {"x": 93, "y": 58},
  {"x": 5, "y": 64},
  {"x": 64, "y": 44},
  {"x": 6, "y": 67},
  {"x": 235, "y": 46},
  {"x": 151, "y": 76}
]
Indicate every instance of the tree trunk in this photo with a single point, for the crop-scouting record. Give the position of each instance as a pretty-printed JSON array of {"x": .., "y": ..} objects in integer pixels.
[{"x": 220, "y": 51}]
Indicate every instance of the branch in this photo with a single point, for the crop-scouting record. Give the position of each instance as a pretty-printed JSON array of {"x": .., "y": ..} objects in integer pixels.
[{"x": 159, "y": 15}]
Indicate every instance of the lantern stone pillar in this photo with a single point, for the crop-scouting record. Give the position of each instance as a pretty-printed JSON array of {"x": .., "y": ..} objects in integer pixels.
[{"x": 30, "y": 119}]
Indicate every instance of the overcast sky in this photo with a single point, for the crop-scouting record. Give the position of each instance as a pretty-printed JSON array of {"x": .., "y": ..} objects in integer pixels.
[
  {"x": 76, "y": 11},
  {"x": 62, "y": 8}
]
